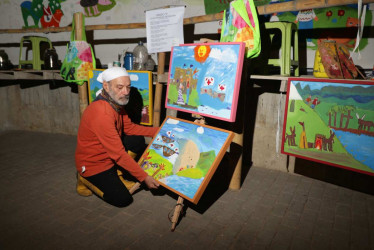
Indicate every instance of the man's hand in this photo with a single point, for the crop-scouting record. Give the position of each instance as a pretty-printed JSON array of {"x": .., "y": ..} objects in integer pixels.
[{"x": 150, "y": 182}]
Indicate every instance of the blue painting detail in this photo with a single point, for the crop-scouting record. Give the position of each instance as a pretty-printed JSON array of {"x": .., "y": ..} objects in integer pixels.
[
  {"x": 359, "y": 146},
  {"x": 206, "y": 85},
  {"x": 142, "y": 80},
  {"x": 182, "y": 153},
  {"x": 331, "y": 122}
]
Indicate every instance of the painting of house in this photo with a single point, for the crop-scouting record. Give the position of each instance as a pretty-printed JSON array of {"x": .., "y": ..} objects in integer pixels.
[
  {"x": 141, "y": 81},
  {"x": 183, "y": 156},
  {"x": 205, "y": 78},
  {"x": 331, "y": 121}
]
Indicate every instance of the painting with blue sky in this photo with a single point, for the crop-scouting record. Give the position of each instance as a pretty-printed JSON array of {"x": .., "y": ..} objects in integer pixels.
[
  {"x": 183, "y": 156},
  {"x": 331, "y": 121},
  {"x": 141, "y": 80},
  {"x": 205, "y": 79}
]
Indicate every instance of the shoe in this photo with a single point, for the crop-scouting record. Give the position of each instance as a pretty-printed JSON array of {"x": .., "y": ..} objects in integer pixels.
[
  {"x": 127, "y": 183},
  {"x": 82, "y": 189},
  {"x": 132, "y": 154}
]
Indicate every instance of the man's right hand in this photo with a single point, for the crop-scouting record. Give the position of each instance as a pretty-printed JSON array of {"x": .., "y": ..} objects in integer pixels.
[{"x": 150, "y": 182}]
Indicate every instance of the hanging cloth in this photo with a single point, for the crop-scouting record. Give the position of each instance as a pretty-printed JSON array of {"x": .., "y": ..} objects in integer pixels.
[
  {"x": 240, "y": 24},
  {"x": 79, "y": 59}
]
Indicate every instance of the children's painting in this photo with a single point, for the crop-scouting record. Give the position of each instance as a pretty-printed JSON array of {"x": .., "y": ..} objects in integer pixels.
[
  {"x": 205, "y": 78},
  {"x": 183, "y": 156},
  {"x": 331, "y": 121},
  {"x": 94, "y": 86},
  {"x": 141, "y": 80}
]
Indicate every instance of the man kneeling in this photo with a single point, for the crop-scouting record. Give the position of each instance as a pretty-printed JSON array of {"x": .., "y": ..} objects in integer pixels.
[{"x": 100, "y": 152}]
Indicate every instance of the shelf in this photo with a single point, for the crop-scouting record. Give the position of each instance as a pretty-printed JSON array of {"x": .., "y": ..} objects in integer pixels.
[{"x": 30, "y": 75}]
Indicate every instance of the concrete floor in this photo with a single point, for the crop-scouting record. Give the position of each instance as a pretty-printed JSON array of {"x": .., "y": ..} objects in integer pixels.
[{"x": 274, "y": 210}]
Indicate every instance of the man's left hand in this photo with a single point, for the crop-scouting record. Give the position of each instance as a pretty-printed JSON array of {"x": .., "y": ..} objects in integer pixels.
[{"x": 151, "y": 182}]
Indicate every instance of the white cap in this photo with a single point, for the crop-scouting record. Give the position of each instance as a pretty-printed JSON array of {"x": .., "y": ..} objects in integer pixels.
[{"x": 112, "y": 73}]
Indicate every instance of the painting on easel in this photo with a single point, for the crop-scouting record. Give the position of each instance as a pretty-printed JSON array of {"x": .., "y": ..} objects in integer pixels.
[
  {"x": 141, "y": 80},
  {"x": 205, "y": 79},
  {"x": 332, "y": 122},
  {"x": 183, "y": 156}
]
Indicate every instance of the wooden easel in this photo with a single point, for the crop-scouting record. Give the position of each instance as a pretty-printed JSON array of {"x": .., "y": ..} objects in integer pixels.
[
  {"x": 177, "y": 212},
  {"x": 177, "y": 209},
  {"x": 178, "y": 206}
]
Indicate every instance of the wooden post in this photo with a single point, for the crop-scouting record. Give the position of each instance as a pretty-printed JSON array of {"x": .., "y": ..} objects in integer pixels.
[
  {"x": 82, "y": 89},
  {"x": 177, "y": 211},
  {"x": 158, "y": 91},
  {"x": 236, "y": 178}
]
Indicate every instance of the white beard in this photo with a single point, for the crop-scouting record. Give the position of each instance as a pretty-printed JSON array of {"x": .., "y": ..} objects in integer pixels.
[{"x": 123, "y": 101}]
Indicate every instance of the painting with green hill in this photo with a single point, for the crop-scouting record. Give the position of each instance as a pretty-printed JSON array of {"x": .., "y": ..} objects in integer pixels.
[
  {"x": 141, "y": 81},
  {"x": 330, "y": 121},
  {"x": 183, "y": 156},
  {"x": 205, "y": 79}
]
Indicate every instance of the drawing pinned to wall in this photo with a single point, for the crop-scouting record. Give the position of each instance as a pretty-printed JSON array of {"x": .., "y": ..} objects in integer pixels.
[
  {"x": 337, "y": 23},
  {"x": 205, "y": 79},
  {"x": 305, "y": 20},
  {"x": 93, "y": 8},
  {"x": 141, "y": 86},
  {"x": 183, "y": 156},
  {"x": 47, "y": 12},
  {"x": 214, "y": 6},
  {"x": 331, "y": 121}
]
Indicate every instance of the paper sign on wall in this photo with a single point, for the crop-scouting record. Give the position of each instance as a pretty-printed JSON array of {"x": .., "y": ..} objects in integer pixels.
[{"x": 164, "y": 29}]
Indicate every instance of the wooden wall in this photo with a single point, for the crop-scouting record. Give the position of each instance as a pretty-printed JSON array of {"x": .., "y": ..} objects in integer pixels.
[{"x": 41, "y": 106}]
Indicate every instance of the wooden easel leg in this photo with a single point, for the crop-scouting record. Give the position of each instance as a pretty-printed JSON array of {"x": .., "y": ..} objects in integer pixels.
[
  {"x": 134, "y": 188},
  {"x": 235, "y": 182},
  {"x": 177, "y": 211}
]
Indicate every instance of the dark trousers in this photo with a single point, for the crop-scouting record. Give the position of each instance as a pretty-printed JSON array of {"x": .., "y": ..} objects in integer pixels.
[{"x": 114, "y": 191}]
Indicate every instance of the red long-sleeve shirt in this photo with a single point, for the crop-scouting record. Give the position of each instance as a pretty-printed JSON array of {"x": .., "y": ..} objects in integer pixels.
[{"x": 99, "y": 144}]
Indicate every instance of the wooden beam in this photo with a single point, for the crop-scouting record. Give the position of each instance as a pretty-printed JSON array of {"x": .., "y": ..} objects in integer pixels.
[
  {"x": 82, "y": 89},
  {"x": 262, "y": 10},
  {"x": 158, "y": 91}
]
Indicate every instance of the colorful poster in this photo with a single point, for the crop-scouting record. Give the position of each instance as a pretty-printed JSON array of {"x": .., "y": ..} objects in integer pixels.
[
  {"x": 337, "y": 23},
  {"x": 183, "y": 156},
  {"x": 214, "y": 6},
  {"x": 205, "y": 79},
  {"x": 331, "y": 121}
]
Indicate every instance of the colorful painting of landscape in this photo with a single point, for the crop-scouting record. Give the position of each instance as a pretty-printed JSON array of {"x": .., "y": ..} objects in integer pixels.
[
  {"x": 142, "y": 80},
  {"x": 331, "y": 121},
  {"x": 205, "y": 78},
  {"x": 94, "y": 86},
  {"x": 183, "y": 156}
]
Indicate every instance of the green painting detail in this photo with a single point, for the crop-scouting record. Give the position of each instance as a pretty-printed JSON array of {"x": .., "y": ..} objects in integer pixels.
[
  {"x": 94, "y": 8},
  {"x": 328, "y": 23},
  {"x": 325, "y": 122},
  {"x": 184, "y": 155},
  {"x": 184, "y": 76},
  {"x": 154, "y": 163},
  {"x": 215, "y": 6},
  {"x": 47, "y": 13}
]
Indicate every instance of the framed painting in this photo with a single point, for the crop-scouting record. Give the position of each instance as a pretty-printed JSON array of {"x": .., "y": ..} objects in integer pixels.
[
  {"x": 330, "y": 121},
  {"x": 94, "y": 86},
  {"x": 141, "y": 80},
  {"x": 183, "y": 156},
  {"x": 205, "y": 79}
]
